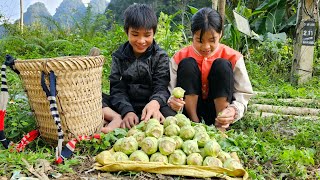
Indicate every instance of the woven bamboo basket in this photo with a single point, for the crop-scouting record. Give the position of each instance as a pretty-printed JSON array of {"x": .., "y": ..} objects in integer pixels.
[{"x": 78, "y": 88}]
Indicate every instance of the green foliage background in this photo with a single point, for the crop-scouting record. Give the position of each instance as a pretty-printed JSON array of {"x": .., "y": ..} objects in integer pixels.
[{"x": 271, "y": 148}]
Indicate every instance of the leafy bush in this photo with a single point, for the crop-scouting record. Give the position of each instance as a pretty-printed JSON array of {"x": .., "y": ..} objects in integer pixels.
[
  {"x": 12, "y": 44},
  {"x": 19, "y": 119},
  {"x": 37, "y": 41},
  {"x": 275, "y": 57},
  {"x": 170, "y": 41},
  {"x": 316, "y": 62},
  {"x": 60, "y": 47},
  {"x": 37, "y": 50}
]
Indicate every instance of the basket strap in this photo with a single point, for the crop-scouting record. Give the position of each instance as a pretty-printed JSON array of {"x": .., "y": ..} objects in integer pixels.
[
  {"x": 10, "y": 62},
  {"x": 4, "y": 96},
  {"x": 29, "y": 137},
  {"x": 5, "y": 142},
  {"x": 51, "y": 95},
  {"x": 69, "y": 148}
]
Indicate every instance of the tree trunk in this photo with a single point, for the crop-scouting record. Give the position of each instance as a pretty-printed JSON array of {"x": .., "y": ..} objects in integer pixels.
[
  {"x": 222, "y": 7},
  {"x": 267, "y": 114},
  {"x": 21, "y": 16},
  {"x": 269, "y": 101},
  {"x": 302, "y": 64},
  {"x": 183, "y": 8},
  {"x": 183, "y": 12},
  {"x": 215, "y": 4},
  {"x": 285, "y": 110},
  {"x": 318, "y": 17}
]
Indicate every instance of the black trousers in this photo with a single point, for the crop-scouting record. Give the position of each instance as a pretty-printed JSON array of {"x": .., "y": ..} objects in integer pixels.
[
  {"x": 165, "y": 110},
  {"x": 221, "y": 83}
]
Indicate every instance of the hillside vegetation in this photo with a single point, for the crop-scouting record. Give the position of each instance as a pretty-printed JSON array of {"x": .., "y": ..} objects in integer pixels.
[{"x": 273, "y": 143}]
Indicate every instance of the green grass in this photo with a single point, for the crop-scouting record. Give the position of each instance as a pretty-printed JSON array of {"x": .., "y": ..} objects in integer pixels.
[
  {"x": 278, "y": 148},
  {"x": 270, "y": 148}
]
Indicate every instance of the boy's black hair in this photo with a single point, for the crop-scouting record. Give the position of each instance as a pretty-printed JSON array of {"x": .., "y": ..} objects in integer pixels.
[
  {"x": 206, "y": 19},
  {"x": 140, "y": 16}
]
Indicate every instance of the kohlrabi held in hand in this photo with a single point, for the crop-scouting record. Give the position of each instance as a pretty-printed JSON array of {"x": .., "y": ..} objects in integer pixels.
[
  {"x": 176, "y": 101},
  {"x": 178, "y": 92}
]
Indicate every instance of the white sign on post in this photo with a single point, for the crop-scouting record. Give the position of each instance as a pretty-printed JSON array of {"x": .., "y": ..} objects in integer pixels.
[{"x": 242, "y": 24}]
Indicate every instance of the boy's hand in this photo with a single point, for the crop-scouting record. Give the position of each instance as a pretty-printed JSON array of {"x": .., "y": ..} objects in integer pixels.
[
  {"x": 152, "y": 109},
  {"x": 225, "y": 117},
  {"x": 130, "y": 120},
  {"x": 176, "y": 103},
  {"x": 113, "y": 124}
]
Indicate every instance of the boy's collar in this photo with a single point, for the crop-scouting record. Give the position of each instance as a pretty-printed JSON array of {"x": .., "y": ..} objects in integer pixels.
[{"x": 128, "y": 50}]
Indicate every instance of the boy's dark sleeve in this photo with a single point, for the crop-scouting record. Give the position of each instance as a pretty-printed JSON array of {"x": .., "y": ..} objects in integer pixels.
[
  {"x": 161, "y": 79},
  {"x": 105, "y": 100},
  {"x": 118, "y": 95}
]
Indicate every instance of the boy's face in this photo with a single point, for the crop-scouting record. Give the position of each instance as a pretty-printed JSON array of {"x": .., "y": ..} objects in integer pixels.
[
  {"x": 140, "y": 39},
  {"x": 209, "y": 42}
]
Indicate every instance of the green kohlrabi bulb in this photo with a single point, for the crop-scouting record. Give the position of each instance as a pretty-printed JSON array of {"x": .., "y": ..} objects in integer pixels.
[
  {"x": 178, "y": 140},
  {"x": 187, "y": 132},
  {"x": 178, "y": 92},
  {"x": 117, "y": 145},
  {"x": 129, "y": 145},
  {"x": 195, "y": 159},
  {"x": 178, "y": 157},
  {"x": 139, "y": 137},
  {"x": 120, "y": 156},
  {"x": 190, "y": 146},
  {"x": 172, "y": 130},
  {"x": 169, "y": 120},
  {"x": 232, "y": 164},
  {"x": 139, "y": 155},
  {"x": 154, "y": 130},
  {"x": 158, "y": 157},
  {"x": 212, "y": 161},
  {"x": 133, "y": 131},
  {"x": 149, "y": 145},
  {"x": 167, "y": 145},
  {"x": 201, "y": 137},
  {"x": 212, "y": 148}
]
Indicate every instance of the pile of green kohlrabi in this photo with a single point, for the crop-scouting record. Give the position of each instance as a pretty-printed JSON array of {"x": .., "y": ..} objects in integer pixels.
[{"x": 177, "y": 141}]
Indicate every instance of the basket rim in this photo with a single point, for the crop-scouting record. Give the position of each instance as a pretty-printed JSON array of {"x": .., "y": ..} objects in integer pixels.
[
  {"x": 63, "y": 63},
  {"x": 59, "y": 58}
]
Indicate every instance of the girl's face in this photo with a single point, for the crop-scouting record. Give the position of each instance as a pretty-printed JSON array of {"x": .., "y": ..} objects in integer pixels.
[
  {"x": 140, "y": 39},
  {"x": 210, "y": 41}
]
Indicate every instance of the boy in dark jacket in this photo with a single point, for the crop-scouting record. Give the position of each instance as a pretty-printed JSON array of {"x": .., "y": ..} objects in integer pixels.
[{"x": 140, "y": 74}]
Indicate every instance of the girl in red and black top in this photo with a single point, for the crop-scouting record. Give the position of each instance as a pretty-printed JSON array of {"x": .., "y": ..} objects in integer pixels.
[{"x": 214, "y": 75}]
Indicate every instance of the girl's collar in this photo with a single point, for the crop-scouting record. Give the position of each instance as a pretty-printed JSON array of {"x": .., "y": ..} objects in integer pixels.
[{"x": 198, "y": 54}]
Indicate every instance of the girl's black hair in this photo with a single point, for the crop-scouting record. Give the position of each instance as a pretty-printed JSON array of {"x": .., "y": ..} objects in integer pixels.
[
  {"x": 140, "y": 16},
  {"x": 204, "y": 20}
]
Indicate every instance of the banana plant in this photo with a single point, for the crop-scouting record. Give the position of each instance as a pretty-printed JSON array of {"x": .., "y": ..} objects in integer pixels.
[{"x": 274, "y": 16}]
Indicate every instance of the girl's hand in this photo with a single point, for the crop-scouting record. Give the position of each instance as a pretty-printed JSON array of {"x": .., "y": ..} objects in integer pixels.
[
  {"x": 152, "y": 109},
  {"x": 176, "y": 103},
  {"x": 130, "y": 120},
  {"x": 225, "y": 118}
]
